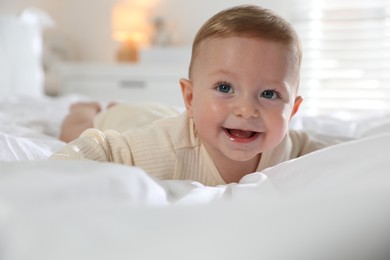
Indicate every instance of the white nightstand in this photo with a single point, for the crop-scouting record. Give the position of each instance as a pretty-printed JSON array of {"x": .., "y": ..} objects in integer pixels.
[{"x": 124, "y": 82}]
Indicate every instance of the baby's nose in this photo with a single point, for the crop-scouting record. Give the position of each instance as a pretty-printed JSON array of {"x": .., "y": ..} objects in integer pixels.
[{"x": 246, "y": 109}]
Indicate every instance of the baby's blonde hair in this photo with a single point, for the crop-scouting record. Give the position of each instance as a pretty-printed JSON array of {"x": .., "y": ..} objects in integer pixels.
[{"x": 249, "y": 21}]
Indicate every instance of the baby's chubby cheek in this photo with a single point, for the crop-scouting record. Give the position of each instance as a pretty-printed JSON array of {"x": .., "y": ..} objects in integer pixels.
[{"x": 212, "y": 111}]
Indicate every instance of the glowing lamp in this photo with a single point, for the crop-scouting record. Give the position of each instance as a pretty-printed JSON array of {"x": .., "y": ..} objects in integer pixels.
[{"x": 131, "y": 29}]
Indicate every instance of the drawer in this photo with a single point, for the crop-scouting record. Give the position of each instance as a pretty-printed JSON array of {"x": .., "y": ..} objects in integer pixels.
[
  {"x": 123, "y": 82},
  {"x": 167, "y": 92}
]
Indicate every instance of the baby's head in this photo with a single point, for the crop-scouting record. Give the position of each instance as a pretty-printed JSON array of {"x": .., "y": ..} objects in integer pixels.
[
  {"x": 243, "y": 82},
  {"x": 252, "y": 22}
]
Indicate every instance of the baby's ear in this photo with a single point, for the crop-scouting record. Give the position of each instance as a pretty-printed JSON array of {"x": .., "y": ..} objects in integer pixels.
[
  {"x": 186, "y": 91},
  {"x": 297, "y": 103}
]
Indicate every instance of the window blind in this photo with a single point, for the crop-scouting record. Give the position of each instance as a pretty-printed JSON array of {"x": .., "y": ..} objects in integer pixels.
[{"x": 346, "y": 54}]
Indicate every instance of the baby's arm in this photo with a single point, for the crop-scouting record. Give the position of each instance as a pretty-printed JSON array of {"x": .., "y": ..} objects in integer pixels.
[{"x": 93, "y": 144}]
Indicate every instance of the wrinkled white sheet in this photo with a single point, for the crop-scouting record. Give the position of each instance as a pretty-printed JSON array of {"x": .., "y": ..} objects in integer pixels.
[
  {"x": 29, "y": 126},
  {"x": 331, "y": 204}
]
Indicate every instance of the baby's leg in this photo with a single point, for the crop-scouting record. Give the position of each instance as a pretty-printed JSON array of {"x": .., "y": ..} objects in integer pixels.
[{"x": 80, "y": 118}]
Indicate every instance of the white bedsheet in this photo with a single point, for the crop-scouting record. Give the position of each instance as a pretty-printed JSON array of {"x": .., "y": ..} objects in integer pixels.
[
  {"x": 29, "y": 126},
  {"x": 331, "y": 204}
]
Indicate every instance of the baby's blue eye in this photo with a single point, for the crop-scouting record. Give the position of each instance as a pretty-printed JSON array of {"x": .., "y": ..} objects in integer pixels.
[
  {"x": 224, "y": 88},
  {"x": 269, "y": 94}
]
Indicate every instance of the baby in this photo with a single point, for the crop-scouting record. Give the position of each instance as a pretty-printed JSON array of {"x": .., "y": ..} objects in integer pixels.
[{"x": 241, "y": 93}]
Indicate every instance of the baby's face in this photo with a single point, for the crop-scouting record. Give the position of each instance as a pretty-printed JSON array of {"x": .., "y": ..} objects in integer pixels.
[{"x": 241, "y": 96}]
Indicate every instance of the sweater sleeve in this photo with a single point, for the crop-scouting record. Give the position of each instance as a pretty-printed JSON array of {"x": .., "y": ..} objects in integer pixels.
[
  {"x": 303, "y": 143},
  {"x": 93, "y": 144}
]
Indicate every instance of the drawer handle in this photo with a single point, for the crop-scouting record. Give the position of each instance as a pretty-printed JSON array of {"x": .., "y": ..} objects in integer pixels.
[{"x": 132, "y": 84}]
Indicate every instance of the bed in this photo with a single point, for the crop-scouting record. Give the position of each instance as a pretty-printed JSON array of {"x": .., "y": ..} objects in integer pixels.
[{"x": 330, "y": 204}]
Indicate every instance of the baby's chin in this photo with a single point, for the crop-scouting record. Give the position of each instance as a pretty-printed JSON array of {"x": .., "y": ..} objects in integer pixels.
[{"x": 242, "y": 157}]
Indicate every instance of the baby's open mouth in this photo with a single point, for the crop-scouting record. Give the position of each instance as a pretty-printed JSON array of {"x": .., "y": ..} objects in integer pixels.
[{"x": 235, "y": 134}]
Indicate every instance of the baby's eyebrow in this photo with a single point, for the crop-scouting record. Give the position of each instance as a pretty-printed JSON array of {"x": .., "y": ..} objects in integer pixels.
[
  {"x": 222, "y": 71},
  {"x": 280, "y": 85}
]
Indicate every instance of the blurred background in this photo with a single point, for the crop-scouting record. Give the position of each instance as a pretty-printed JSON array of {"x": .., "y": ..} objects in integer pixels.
[
  {"x": 346, "y": 43},
  {"x": 89, "y": 27}
]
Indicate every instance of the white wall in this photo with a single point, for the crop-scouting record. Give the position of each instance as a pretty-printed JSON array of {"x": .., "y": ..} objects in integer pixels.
[
  {"x": 187, "y": 16},
  {"x": 85, "y": 26}
]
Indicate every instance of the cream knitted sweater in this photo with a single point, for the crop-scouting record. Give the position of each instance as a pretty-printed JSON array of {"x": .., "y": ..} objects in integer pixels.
[{"x": 168, "y": 148}]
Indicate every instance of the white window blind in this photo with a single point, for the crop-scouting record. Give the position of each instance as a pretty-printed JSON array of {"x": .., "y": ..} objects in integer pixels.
[{"x": 346, "y": 50}]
